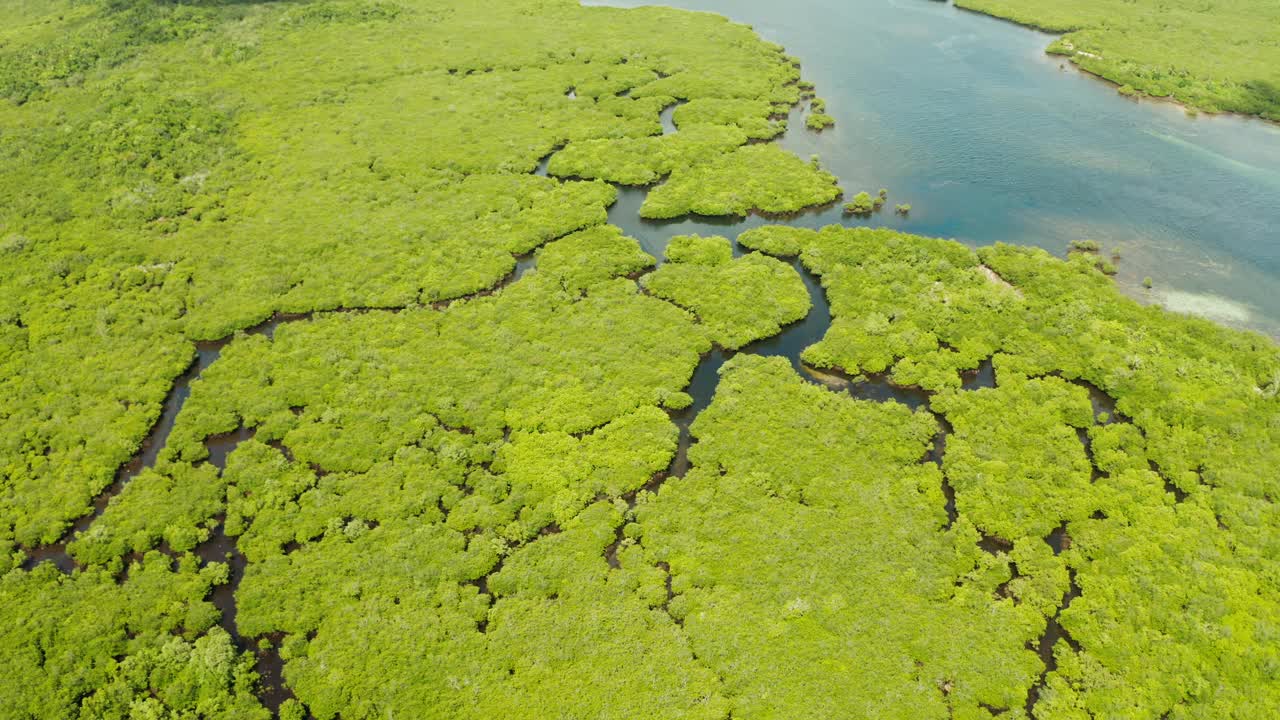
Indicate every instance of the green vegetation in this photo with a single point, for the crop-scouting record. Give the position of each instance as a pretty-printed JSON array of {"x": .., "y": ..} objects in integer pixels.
[
  {"x": 761, "y": 178},
  {"x": 451, "y": 476},
  {"x": 865, "y": 203},
  {"x": 178, "y": 172},
  {"x": 450, "y": 490},
  {"x": 1092, "y": 249},
  {"x": 187, "y": 187},
  {"x": 1221, "y": 56},
  {"x": 903, "y": 209},
  {"x": 740, "y": 300},
  {"x": 753, "y": 117},
  {"x": 956, "y": 318},
  {"x": 85, "y": 646},
  {"x": 644, "y": 161},
  {"x": 818, "y": 118},
  {"x": 1014, "y": 459},
  {"x": 697, "y": 250},
  {"x": 819, "y": 121},
  {"x": 835, "y": 621},
  {"x": 778, "y": 240},
  {"x": 1177, "y": 510},
  {"x": 861, "y": 204},
  {"x": 588, "y": 257}
]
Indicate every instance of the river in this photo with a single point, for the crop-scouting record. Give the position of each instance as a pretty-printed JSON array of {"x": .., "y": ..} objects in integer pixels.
[{"x": 991, "y": 140}]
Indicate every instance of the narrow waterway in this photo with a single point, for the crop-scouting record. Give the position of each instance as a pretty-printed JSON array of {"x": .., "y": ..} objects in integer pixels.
[
  {"x": 789, "y": 343},
  {"x": 991, "y": 140},
  {"x": 933, "y": 197}
]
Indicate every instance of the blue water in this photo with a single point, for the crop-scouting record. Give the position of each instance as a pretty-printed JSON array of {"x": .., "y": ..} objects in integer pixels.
[{"x": 989, "y": 139}]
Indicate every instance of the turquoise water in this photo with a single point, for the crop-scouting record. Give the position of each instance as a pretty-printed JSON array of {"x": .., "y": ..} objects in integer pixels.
[{"x": 989, "y": 139}]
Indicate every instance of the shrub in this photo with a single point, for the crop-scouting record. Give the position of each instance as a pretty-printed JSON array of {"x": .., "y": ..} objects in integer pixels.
[
  {"x": 861, "y": 204},
  {"x": 819, "y": 121},
  {"x": 698, "y": 250}
]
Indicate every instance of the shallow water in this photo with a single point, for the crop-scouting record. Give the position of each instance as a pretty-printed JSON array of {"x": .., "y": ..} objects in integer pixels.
[
  {"x": 991, "y": 140},
  {"x": 667, "y": 119}
]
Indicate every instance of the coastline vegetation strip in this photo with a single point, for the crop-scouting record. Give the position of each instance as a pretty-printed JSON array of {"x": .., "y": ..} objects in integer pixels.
[
  {"x": 754, "y": 117},
  {"x": 1218, "y": 57}
]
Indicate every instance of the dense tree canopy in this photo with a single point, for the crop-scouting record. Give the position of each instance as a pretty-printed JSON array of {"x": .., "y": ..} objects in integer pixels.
[
  {"x": 306, "y": 363},
  {"x": 178, "y": 172},
  {"x": 739, "y": 300}
]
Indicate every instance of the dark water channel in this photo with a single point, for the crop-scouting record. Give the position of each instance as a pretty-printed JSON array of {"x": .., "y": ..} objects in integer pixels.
[
  {"x": 270, "y": 667},
  {"x": 991, "y": 140},
  {"x": 148, "y": 453},
  {"x": 790, "y": 343},
  {"x": 146, "y": 456},
  {"x": 219, "y": 547},
  {"x": 968, "y": 200}
]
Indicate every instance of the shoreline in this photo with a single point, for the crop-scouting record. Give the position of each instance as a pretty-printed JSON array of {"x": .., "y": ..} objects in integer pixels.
[
  {"x": 1128, "y": 283},
  {"x": 1058, "y": 32},
  {"x": 1190, "y": 110}
]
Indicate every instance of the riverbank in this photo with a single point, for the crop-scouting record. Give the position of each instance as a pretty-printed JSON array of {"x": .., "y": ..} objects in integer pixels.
[
  {"x": 970, "y": 122},
  {"x": 1166, "y": 59}
]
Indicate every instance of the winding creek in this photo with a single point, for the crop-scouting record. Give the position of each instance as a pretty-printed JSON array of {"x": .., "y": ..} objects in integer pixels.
[
  {"x": 958, "y": 193},
  {"x": 788, "y": 343}
]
